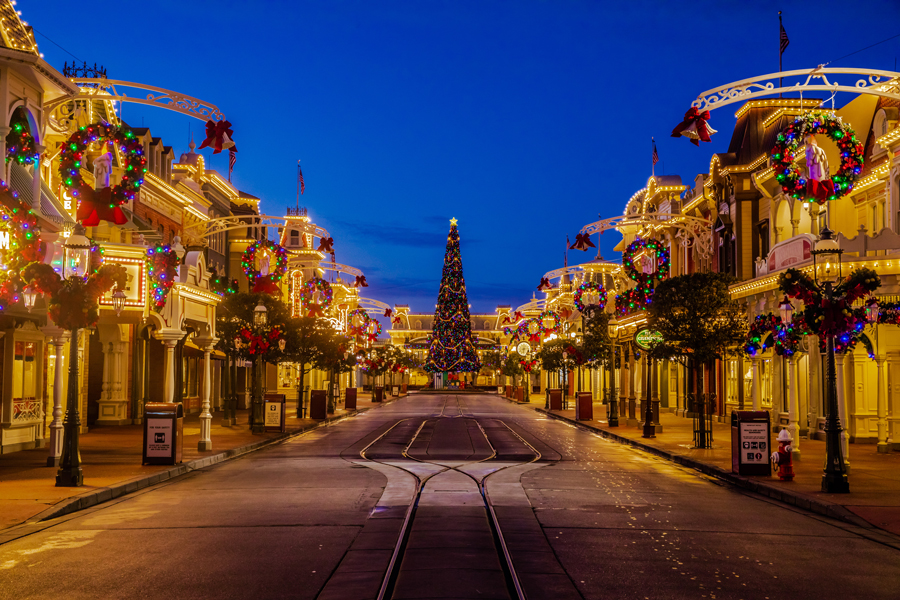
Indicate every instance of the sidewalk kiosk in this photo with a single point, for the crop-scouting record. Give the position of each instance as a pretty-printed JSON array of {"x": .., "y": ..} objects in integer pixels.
[
  {"x": 275, "y": 413},
  {"x": 750, "y": 444},
  {"x": 350, "y": 399},
  {"x": 318, "y": 404},
  {"x": 163, "y": 433}
]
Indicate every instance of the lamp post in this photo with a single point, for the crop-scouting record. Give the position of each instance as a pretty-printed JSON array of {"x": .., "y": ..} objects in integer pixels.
[
  {"x": 260, "y": 318},
  {"x": 76, "y": 261},
  {"x": 827, "y": 271},
  {"x": 649, "y": 427},
  {"x": 613, "y": 412}
]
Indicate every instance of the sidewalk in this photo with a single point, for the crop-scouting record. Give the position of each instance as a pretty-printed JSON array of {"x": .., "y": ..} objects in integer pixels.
[
  {"x": 874, "y": 478},
  {"x": 111, "y": 459}
]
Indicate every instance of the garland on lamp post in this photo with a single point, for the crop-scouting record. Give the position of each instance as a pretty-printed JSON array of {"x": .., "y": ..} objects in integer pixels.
[
  {"x": 73, "y": 304},
  {"x": 21, "y": 147},
  {"x": 162, "y": 266}
]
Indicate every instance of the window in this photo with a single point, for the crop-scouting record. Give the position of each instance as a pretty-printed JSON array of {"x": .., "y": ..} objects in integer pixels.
[
  {"x": 26, "y": 407},
  {"x": 763, "y": 228},
  {"x": 295, "y": 238},
  {"x": 487, "y": 325},
  {"x": 418, "y": 324}
]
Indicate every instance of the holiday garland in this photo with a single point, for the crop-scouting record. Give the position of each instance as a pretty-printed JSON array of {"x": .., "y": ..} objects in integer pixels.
[
  {"x": 102, "y": 205},
  {"x": 373, "y": 333},
  {"x": 307, "y": 292},
  {"x": 791, "y": 178},
  {"x": 549, "y": 314},
  {"x": 162, "y": 266},
  {"x": 18, "y": 221},
  {"x": 360, "y": 328},
  {"x": 262, "y": 342},
  {"x": 223, "y": 286},
  {"x": 259, "y": 282},
  {"x": 590, "y": 285},
  {"x": 758, "y": 338},
  {"x": 639, "y": 298},
  {"x": 73, "y": 303},
  {"x": 531, "y": 328},
  {"x": 836, "y": 316},
  {"x": 20, "y": 144}
]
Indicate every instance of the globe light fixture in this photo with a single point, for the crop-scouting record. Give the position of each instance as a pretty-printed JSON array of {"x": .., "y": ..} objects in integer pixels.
[
  {"x": 29, "y": 296},
  {"x": 118, "y": 301},
  {"x": 260, "y": 315}
]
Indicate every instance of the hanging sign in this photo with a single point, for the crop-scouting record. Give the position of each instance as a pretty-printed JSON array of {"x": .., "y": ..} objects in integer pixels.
[{"x": 646, "y": 338}]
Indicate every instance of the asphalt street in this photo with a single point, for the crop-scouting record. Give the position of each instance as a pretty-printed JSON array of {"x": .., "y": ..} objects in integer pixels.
[{"x": 393, "y": 500}]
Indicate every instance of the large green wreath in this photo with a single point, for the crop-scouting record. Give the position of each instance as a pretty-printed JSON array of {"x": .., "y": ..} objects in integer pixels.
[
  {"x": 590, "y": 285},
  {"x": 259, "y": 282},
  {"x": 788, "y": 141},
  {"x": 309, "y": 288},
  {"x": 98, "y": 205},
  {"x": 662, "y": 260}
]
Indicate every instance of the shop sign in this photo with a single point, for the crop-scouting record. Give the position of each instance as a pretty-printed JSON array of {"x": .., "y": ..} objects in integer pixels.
[
  {"x": 135, "y": 281},
  {"x": 645, "y": 338}
]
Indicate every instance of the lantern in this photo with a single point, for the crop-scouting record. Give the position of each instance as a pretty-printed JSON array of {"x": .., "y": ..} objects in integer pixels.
[
  {"x": 118, "y": 301},
  {"x": 827, "y": 258},
  {"x": 786, "y": 309},
  {"x": 77, "y": 254},
  {"x": 260, "y": 315},
  {"x": 871, "y": 310}
]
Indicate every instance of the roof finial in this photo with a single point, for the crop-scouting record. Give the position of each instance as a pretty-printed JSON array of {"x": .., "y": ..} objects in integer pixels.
[{"x": 192, "y": 145}]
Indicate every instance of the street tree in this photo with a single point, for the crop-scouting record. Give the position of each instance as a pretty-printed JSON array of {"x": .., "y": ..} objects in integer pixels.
[{"x": 699, "y": 323}]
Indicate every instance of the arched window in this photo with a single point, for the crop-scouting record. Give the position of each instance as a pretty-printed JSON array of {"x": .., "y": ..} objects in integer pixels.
[
  {"x": 487, "y": 324},
  {"x": 418, "y": 324}
]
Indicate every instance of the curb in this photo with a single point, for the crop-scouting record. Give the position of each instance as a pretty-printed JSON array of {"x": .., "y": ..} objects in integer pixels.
[
  {"x": 100, "y": 495},
  {"x": 798, "y": 499}
]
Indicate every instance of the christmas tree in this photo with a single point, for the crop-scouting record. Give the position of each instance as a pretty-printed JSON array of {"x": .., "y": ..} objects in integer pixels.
[{"x": 451, "y": 348}]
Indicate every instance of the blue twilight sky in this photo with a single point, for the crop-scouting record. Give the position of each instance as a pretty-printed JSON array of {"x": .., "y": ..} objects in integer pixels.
[{"x": 523, "y": 119}]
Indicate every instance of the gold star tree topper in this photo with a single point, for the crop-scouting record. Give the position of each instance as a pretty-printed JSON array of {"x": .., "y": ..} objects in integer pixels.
[{"x": 453, "y": 221}]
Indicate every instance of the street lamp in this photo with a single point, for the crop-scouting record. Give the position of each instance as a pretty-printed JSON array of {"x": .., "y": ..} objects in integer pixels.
[
  {"x": 613, "y": 413},
  {"x": 827, "y": 271},
  {"x": 118, "y": 301},
  {"x": 260, "y": 318},
  {"x": 29, "y": 295},
  {"x": 76, "y": 254},
  {"x": 787, "y": 310}
]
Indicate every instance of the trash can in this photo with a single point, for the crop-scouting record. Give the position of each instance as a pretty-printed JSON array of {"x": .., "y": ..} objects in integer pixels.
[
  {"x": 163, "y": 433},
  {"x": 555, "y": 399},
  {"x": 350, "y": 399},
  {"x": 274, "y": 412},
  {"x": 403, "y": 389},
  {"x": 584, "y": 407},
  {"x": 318, "y": 402},
  {"x": 520, "y": 394},
  {"x": 750, "y": 444},
  {"x": 378, "y": 394}
]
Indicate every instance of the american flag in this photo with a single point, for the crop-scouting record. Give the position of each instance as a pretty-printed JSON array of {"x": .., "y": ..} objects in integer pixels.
[
  {"x": 232, "y": 159},
  {"x": 655, "y": 153},
  {"x": 300, "y": 178},
  {"x": 784, "y": 38}
]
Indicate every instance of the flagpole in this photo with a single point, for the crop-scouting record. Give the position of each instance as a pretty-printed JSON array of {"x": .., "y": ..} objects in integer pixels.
[
  {"x": 780, "y": 27},
  {"x": 652, "y": 162},
  {"x": 298, "y": 186}
]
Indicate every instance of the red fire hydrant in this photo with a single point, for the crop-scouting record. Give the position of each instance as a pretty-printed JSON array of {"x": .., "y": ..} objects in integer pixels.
[{"x": 782, "y": 456}]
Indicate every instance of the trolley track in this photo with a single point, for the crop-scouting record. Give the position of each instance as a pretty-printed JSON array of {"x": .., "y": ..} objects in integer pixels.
[{"x": 445, "y": 466}]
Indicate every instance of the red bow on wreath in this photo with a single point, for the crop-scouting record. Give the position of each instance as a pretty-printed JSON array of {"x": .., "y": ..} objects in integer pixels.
[
  {"x": 264, "y": 285},
  {"x": 544, "y": 285},
  {"x": 315, "y": 310},
  {"x": 388, "y": 312},
  {"x": 820, "y": 190},
  {"x": 325, "y": 245},
  {"x": 218, "y": 137},
  {"x": 360, "y": 281},
  {"x": 582, "y": 242},
  {"x": 96, "y": 205},
  {"x": 695, "y": 126}
]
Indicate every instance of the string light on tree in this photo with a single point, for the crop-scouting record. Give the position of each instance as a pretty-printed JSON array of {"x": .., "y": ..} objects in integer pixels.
[{"x": 451, "y": 348}]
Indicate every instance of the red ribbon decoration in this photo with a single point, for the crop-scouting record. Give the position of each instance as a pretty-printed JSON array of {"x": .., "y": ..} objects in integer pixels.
[
  {"x": 265, "y": 285},
  {"x": 95, "y": 206},
  {"x": 215, "y": 136},
  {"x": 315, "y": 310},
  {"x": 820, "y": 190},
  {"x": 395, "y": 320},
  {"x": 325, "y": 245},
  {"x": 694, "y": 116},
  {"x": 582, "y": 242},
  {"x": 388, "y": 312},
  {"x": 545, "y": 284},
  {"x": 361, "y": 281}
]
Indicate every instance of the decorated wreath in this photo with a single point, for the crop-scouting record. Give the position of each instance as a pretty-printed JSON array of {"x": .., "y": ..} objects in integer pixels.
[
  {"x": 633, "y": 300},
  {"x": 662, "y": 260},
  {"x": 17, "y": 220},
  {"x": 162, "y": 266},
  {"x": 358, "y": 329},
  {"x": 590, "y": 285},
  {"x": 102, "y": 205},
  {"x": 20, "y": 144},
  {"x": 530, "y": 329},
  {"x": 308, "y": 292},
  {"x": 549, "y": 314},
  {"x": 268, "y": 342},
  {"x": 373, "y": 332},
  {"x": 815, "y": 186},
  {"x": 759, "y": 337},
  {"x": 264, "y": 282}
]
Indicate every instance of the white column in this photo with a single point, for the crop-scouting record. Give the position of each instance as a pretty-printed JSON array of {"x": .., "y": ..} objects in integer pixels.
[
  {"x": 56, "y": 425},
  {"x": 842, "y": 409},
  {"x": 793, "y": 413},
  {"x": 881, "y": 382},
  {"x": 814, "y": 388},
  {"x": 170, "y": 370},
  {"x": 893, "y": 401},
  {"x": 754, "y": 386},
  {"x": 205, "y": 443},
  {"x": 106, "y": 350}
]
